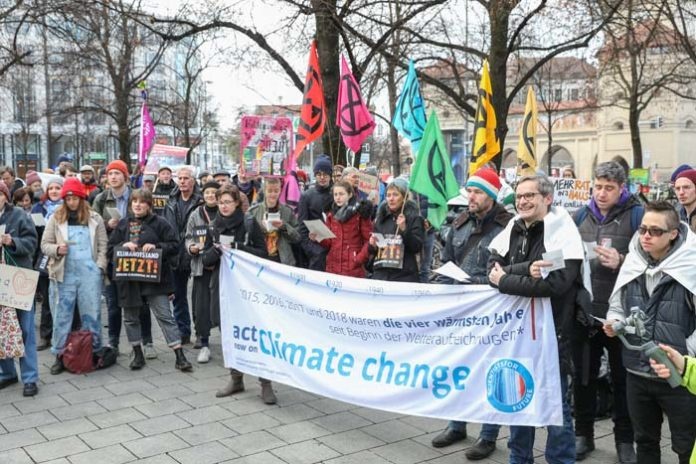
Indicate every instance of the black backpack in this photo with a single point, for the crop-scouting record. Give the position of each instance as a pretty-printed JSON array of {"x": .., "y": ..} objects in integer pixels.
[{"x": 105, "y": 358}]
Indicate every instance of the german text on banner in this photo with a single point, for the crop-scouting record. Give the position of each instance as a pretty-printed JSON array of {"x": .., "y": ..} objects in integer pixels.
[{"x": 444, "y": 351}]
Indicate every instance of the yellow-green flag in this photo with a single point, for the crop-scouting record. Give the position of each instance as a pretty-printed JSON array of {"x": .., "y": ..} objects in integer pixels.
[
  {"x": 527, "y": 147},
  {"x": 432, "y": 175},
  {"x": 486, "y": 142}
]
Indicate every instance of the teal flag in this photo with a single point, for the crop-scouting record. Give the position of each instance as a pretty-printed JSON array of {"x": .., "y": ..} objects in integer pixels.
[
  {"x": 432, "y": 174},
  {"x": 409, "y": 116}
]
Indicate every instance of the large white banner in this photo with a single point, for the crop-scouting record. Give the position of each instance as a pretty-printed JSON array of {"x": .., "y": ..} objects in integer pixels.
[{"x": 462, "y": 352}]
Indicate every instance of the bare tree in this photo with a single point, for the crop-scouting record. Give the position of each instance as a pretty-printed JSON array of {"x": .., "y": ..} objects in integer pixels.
[{"x": 640, "y": 60}]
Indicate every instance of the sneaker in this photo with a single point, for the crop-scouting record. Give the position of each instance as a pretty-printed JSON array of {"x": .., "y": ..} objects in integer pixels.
[
  {"x": 204, "y": 355},
  {"x": 150, "y": 352}
]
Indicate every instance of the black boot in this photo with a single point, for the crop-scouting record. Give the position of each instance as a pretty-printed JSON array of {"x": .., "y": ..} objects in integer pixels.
[
  {"x": 181, "y": 362},
  {"x": 138, "y": 358},
  {"x": 57, "y": 366},
  {"x": 583, "y": 447}
]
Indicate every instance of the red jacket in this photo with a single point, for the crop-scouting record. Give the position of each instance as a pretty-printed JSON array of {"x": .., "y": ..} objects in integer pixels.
[{"x": 348, "y": 251}]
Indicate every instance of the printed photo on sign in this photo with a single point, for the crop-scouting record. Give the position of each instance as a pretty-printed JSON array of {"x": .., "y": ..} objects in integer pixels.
[
  {"x": 266, "y": 143},
  {"x": 159, "y": 202},
  {"x": 138, "y": 266},
  {"x": 391, "y": 254},
  {"x": 199, "y": 234}
]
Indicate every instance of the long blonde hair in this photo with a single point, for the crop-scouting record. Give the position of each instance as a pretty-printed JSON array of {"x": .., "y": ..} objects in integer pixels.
[{"x": 83, "y": 210}]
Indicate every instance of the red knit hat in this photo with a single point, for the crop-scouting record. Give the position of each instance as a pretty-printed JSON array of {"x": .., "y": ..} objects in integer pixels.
[
  {"x": 119, "y": 165},
  {"x": 32, "y": 177},
  {"x": 688, "y": 174},
  {"x": 73, "y": 186}
]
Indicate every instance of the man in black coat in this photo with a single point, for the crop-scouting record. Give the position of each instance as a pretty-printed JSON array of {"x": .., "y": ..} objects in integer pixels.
[
  {"x": 516, "y": 265},
  {"x": 181, "y": 204},
  {"x": 314, "y": 203}
]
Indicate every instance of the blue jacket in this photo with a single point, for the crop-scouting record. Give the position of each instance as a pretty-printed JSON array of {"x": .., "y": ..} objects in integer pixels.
[{"x": 24, "y": 239}]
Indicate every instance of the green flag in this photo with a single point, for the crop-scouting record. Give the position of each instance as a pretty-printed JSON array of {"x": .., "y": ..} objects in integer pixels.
[{"x": 432, "y": 174}]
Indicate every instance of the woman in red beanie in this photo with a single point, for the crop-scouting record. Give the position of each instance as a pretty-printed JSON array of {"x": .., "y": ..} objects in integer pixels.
[{"x": 75, "y": 242}]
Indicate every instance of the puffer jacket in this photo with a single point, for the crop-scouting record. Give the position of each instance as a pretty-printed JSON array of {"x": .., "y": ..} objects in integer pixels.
[
  {"x": 413, "y": 238},
  {"x": 348, "y": 252}
]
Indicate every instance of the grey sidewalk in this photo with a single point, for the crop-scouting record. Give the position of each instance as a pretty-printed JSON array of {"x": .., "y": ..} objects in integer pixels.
[{"x": 160, "y": 415}]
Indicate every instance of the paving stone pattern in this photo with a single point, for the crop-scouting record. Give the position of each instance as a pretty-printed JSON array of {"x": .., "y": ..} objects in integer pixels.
[{"x": 161, "y": 416}]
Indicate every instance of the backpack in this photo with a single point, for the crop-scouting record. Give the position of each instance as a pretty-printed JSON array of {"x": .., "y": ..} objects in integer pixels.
[
  {"x": 636, "y": 216},
  {"x": 77, "y": 356},
  {"x": 105, "y": 358}
]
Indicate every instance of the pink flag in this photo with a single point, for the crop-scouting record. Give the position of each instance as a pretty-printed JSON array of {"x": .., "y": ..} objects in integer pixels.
[
  {"x": 353, "y": 117},
  {"x": 147, "y": 135},
  {"x": 290, "y": 193}
]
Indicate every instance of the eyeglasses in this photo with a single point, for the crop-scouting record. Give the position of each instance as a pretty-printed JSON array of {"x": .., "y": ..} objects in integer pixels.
[
  {"x": 321, "y": 174},
  {"x": 526, "y": 196},
  {"x": 226, "y": 202},
  {"x": 652, "y": 231}
]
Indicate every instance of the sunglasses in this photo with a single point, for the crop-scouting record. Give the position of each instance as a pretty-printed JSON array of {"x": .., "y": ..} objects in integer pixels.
[{"x": 652, "y": 231}]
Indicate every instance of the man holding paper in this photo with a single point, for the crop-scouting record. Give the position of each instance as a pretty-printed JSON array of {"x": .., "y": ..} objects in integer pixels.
[
  {"x": 517, "y": 259},
  {"x": 467, "y": 247}
]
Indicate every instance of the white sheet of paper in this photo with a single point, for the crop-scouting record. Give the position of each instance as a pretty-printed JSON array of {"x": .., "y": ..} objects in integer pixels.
[
  {"x": 319, "y": 228},
  {"x": 589, "y": 250},
  {"x": 2, "y": 229},
  {"x": 603, "y": 321},
  {"x": 270, "y": 217},
  {"x": 381, "y": 241},
  {"x": 226, "y": 240},
  {"x": 556, "y": 259},
  {"x": 39, "y": 220},
  {"x": 113, "y": 213},
  {"x": 451, "y": 270}
]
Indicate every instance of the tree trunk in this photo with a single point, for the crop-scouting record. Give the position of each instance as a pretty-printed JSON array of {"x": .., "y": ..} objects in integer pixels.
[
  {"x": 636, "y": 145},
  {"x": 499, "y": 14},
  {"x": 393, "y": 134},
  {"x": 124, "y": 134},
  {"x": 328, "y": 50}
]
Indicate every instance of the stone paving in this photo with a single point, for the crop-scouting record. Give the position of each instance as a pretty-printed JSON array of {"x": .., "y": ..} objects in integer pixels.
[{"x": 160, "y": 415}]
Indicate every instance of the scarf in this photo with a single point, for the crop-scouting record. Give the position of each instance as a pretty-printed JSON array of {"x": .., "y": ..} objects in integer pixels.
[
  {"x": 51, "y": 207},
  {"x": 223, "y": 224},
  {"x": 623, "y": 198}
]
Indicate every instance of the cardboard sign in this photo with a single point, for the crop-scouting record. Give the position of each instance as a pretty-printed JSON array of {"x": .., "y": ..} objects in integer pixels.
[
  {"x": 571, "y": 194},
  {"x": 370, "y": 186},
  {"x": 159, "y": 202},
  {"x": 266, "y": 142},
  {"x": 391, "y": 255},
  {"x": 139, "y": 266},
  {"x": 17, "y": 286},
  {"x": 165, "y": 155}
]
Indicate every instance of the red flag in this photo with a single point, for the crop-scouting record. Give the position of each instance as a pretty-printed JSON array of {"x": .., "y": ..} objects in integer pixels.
[
  {"x": 312, "y": 115},
  {"x": 353, "y": 117}
]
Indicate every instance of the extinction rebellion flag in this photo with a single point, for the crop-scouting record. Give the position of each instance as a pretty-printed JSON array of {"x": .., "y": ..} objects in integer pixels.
[
  {"x": 353, "y": 118},
  {"x": 313, "y": 113},
  {"x": 486, "y": 142},
  {"x": 409, "y": 115},
  {"x": 526, "y": 149},
  {"x": 432, "y": 174}
]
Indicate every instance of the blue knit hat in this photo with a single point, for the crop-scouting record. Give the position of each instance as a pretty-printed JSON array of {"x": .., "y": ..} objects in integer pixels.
[{"x": 323, "y": 164}]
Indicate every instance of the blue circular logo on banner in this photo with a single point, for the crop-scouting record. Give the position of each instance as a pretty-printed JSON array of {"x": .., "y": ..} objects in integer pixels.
[{"x": 510, "y": 386}]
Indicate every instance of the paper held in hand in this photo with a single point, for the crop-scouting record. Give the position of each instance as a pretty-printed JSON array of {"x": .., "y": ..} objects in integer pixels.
[
  {"x": 39, "y": 220},
  {"x": 113, "y": 213},
  {"x": 555, "y": 257},
  {"x": 270, "y": 219},
  {"x": 451, "y": 270},
  {"x": 319, "y": 228}
]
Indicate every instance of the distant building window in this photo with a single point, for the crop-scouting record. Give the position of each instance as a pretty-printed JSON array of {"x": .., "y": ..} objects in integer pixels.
[
  {"x": 558, "y": 95},
  {"x": 574, "y": 94},
  {"x": 689, "y": 124},
  {"x": 618, "y": 125}
]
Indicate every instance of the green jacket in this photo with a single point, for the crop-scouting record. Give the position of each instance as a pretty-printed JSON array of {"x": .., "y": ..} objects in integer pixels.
[
  {"x": 289, "y": 233},
  {"x": 689, "y": 381}
]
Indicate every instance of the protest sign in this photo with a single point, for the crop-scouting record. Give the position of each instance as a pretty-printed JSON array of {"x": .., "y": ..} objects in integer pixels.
[
  {"x": 370, "y": 186},
  {"x": 17, "y": 287},
  {"x": 137, "y": 266},
  {"x": 446, "y": 351},
  {"x": 159, "y": 202},
  {"x": 571, "y": 194},
  {"x": 165, "y": 155},
  {"x": 266, "y": 142}
]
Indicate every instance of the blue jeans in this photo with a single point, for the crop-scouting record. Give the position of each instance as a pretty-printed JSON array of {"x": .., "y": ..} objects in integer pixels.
[
  {"x": 489, "y": 432},
  {"x": 560, "y": 442},
  {"x": 28, "y": 363},
  {"x": 182, "y": 314},
  {"x": 427, "y": 256}
]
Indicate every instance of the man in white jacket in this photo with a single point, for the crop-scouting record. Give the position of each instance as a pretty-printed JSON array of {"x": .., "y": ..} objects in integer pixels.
[{"x": 657, "y": 281}]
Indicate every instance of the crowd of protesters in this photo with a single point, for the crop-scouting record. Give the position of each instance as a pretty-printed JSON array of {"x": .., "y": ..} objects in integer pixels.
[{"x": 640, "y": 257}]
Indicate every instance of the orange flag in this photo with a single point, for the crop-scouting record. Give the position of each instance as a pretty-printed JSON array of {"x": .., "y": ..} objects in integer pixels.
[{"x": 312, "y": 114}]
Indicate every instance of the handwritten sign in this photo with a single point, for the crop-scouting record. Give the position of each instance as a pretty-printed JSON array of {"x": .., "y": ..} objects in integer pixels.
[
  {"x": 17, "y": 287},
  {"x": 571, "y": 194},
  {"x": 137, "y": 266},
  {"x": 369, "y": 185}
]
